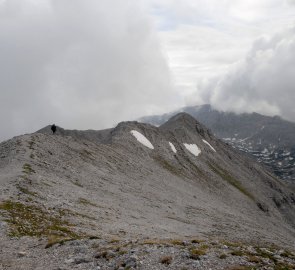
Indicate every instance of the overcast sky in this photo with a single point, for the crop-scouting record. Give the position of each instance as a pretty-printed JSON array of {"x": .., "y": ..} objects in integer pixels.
[{"x": 88, "y": 64}]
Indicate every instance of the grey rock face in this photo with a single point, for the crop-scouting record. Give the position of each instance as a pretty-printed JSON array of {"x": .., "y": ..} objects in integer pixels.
[
  {"x": 269, "y": 140},
  {"x": 70, "y": 185}
]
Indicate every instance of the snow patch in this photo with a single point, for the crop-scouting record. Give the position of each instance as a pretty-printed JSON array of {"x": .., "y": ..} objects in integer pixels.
[
  {"x": 172, "y": 147},
  {"x": 142, "y": 139},
  {"x": 212, "y": 148},
  {"x": 193, "y": 148},
  {"x": 227, "y": 139},
  {"x": 245, "y": 139},
  {"x": 286, "y": 154}
]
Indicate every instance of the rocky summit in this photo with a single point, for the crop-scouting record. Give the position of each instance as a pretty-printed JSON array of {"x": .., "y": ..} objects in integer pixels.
[{"x": 140, "y": 197}]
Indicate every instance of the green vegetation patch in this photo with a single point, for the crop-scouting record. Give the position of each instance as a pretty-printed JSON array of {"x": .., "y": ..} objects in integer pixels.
[
  {"x": 86, "y": 155},
  {"x": 86, "y": 202},
  {"x": 241, "y": 267},
  {"x": 284, "y": 266},
  {"x": 253, "y": 259},
  {"x": 195, "y": 253},
  {"x": 197, "y": 241},
  {"x": 166, "y": 260},
  {"x": 27, "y": 169},
  {"x": 30, "y": 220},
  {"x": 237, "y": 253},
  {"x": 222, "y": 256},
  {"x": 177, "y": 242},
  {"x": 56, "y": 239},
  {"x": 288, "y": 254},
  {"x": 265, "y": 254},
  {"x": 230, "y": 179},
  {"x": 167, "y": 166},
  {"x": 193, "y": 166},
  {"x": 26, "y": 191}
]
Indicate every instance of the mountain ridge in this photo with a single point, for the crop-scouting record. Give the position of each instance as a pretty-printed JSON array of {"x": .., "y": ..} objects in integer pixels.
[
  {"x": 269, "y": 140},
  {"x": 80, "y": 186}
]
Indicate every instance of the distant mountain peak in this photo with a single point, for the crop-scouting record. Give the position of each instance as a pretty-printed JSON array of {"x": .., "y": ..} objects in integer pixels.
[
  {"x": 270, "y": 140},
  {"x": 185, "y": 120}
]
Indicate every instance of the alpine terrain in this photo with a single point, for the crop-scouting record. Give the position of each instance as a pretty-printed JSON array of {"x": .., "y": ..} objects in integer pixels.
[
  {"x": 270, "y": 140},
  {"x": 139, "y": 196}
]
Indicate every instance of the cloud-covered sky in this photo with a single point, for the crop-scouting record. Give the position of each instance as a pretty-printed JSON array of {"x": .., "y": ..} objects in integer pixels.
[
  {"x": 88, "y": 64},
  {"x": 230, "y": 53}
]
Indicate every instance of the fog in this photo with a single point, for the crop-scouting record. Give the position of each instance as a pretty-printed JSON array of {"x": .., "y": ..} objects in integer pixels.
[{"x": 79, "y": 64}]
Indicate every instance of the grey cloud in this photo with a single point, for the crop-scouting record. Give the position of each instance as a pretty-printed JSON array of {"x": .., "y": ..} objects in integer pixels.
[
  {"x": 290, "y": 2},
  {"x": 263, "y": 82},
  {"x": 80, "y": 64}
]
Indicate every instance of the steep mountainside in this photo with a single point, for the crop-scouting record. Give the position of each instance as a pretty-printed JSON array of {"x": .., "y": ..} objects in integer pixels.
[
  {"x": 132, "y": 182},
  {"x": 270, "y": 140}
]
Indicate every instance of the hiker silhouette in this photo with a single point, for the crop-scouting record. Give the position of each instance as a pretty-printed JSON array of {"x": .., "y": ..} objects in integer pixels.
[{"x": 53, "y": 128}]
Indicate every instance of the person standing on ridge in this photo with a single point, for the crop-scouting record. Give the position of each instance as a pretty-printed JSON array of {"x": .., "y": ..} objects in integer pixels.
[{"x": 53, "y": 128}]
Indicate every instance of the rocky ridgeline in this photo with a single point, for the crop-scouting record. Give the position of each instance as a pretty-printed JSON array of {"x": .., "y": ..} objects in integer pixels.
[{"x": 99, "y": 199}]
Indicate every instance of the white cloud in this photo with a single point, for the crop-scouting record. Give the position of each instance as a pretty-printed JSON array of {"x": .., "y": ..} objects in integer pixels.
[
  {"x": 197, "y": 52},
  {"x": 207, "y": 40},
  {"x": 263, "y": 82}
]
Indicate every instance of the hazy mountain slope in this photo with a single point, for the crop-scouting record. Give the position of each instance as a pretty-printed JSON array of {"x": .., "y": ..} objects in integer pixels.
[
  {"x": 269, "y": 140},
  {"x": 67, "y": 186}
]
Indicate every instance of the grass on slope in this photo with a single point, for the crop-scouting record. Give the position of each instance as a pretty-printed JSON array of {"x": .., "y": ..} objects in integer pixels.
[
  {"x": 27, "y": 169},
  {"x": 167, "y": 166},
  {"x": 30, "y": 220},
  {"x": 230, "y": 179}
]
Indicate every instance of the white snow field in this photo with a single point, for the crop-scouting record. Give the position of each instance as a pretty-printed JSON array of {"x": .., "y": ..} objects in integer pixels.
[
  {"x": 212, "y": 148},
  {"x": 142, "y": 139},
  {"x": 193, "y": 148},
  {"x": 172, "y": 147}
]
